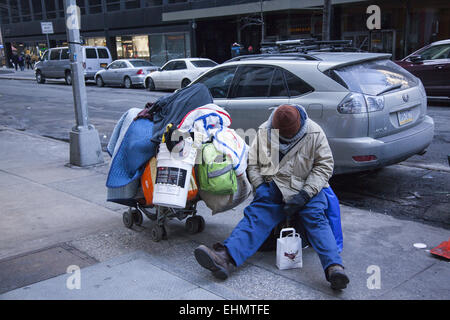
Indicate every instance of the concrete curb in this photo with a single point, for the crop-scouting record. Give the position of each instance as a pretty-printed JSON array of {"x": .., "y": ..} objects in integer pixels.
[
  {"x": 433, "y": 167},
  {"x": 17, "y": 78}
]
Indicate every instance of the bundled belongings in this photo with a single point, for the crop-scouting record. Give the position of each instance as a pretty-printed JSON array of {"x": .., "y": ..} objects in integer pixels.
[
  {"x": 135, "y": 139},
  {"x": 215, "y": 173},
  {"x": 175, "y": 152}
]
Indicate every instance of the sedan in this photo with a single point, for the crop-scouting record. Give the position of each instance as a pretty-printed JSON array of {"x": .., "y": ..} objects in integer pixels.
[
  {"x": 125, "y": 72},
  {"x": 432, "y": 65},
  {"x": 178, "y": 73}
]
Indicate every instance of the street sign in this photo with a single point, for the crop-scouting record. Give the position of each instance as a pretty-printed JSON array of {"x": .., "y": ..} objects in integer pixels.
[{"x": 47, "y": 27}]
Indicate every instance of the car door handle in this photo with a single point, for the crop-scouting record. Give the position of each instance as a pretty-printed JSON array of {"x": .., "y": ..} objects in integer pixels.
[{"x": 439, "y": 67}]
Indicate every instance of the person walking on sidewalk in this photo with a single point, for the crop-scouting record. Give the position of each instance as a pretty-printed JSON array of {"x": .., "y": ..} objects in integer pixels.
[{"x": 295, "y": 189}]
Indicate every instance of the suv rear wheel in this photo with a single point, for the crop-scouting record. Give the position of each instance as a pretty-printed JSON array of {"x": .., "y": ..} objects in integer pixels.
[
  {"x": 39, "y": 77},
  {"x": 68, "y": 78}
]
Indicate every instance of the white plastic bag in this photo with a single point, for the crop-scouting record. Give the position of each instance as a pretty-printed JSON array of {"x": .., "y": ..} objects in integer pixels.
[{"x": 289, "y": 250}]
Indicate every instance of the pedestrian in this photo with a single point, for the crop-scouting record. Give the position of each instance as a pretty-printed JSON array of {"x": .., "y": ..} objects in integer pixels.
[
  {"x": 295, "y": 190},
  {"x": 15, "y": 61},
  {"x": 235, "y": 49},
  {"x": 21, "y": 61},
  {"x": 28, "y": 61}
]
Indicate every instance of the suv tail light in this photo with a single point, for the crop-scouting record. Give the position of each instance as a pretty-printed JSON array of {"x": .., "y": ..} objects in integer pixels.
[
  {"x": 140, "y": 71},
  {"x": 374, "y": 103},
  {"x": 353, "y": 103},
  {"x": 360, "y": 103}
]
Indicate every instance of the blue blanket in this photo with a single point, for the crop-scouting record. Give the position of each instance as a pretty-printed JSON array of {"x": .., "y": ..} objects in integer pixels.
[{"x": 135, "y": 150}]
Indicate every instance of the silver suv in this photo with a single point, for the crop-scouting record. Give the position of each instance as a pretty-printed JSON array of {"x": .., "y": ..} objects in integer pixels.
[
  {"x": 372, "y": 110},
  {"x": 55, "y": 63}
]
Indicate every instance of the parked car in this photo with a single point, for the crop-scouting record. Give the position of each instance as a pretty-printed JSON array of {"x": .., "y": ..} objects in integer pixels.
[
  {"x": 432, "y": 65},
  {"x": 125, "y": 72},
  {"x": 372, "y": 110},
  {"x": 178, "y": 73},
  {"x": 55, "y": 63}
]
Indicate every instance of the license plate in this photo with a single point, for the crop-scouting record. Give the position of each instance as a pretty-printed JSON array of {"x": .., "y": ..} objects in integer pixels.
[
  {"x": 103, "y": 65},
  {"x": 404, "y": 117}
]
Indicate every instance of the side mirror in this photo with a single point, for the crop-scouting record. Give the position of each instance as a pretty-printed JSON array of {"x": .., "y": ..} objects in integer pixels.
[
  {"x": 159, "y": 69},
  {"x": 416, "y": 59}
]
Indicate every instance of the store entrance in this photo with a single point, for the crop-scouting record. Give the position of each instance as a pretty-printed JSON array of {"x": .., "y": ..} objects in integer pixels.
[{"x": 215, "y": 38}]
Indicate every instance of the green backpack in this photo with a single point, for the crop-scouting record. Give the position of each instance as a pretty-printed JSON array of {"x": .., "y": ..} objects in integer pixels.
[{"x": 215, "y": 173}]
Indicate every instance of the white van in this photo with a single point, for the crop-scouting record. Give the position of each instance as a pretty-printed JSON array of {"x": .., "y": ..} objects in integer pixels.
[{"x": 55, "y": 63}]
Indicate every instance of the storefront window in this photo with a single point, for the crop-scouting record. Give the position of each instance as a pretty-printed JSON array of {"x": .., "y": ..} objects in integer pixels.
[
  {"x": 158, "y": 49},
  {"x": 166, "y": 47},
  {"x": 175, "y": 46},
  {"x": 96, "y": 42},
  {"x": 133, "y": 47}
]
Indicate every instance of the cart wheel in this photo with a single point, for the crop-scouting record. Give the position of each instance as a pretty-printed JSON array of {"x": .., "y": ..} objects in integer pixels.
[
  {"x": 201, "y": 223},
  {"x": 127, "y": 219},
  {"x": 192, "y": 225},
  {"x": 137, "y": 217},
  {"x": 157, "y": 233}
]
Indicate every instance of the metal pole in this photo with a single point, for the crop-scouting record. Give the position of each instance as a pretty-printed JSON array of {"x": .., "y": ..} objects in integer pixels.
[
  {"x": 326, "y": 21},
  {"x": 262, "y": 21},
  {"x": 48, "y": 41},
  {"x": 85, "y": 148}
]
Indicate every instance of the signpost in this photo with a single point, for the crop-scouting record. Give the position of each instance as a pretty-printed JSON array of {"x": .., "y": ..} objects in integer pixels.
[
  {"x": 85, "y": 147},
  {"x": 47, "y": 28}
]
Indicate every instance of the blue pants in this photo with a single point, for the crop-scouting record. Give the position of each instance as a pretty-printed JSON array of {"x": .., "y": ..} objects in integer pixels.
[{"x": 266, "y": 212}]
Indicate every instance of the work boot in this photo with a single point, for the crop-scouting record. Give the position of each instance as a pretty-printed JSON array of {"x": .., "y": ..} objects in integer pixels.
[
  {"x": 217, "y": 260},
  {"x": 336, "y": 276}
]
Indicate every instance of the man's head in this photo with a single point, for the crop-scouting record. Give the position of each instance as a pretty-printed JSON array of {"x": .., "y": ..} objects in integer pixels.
[{"x": 286, "y": 118}]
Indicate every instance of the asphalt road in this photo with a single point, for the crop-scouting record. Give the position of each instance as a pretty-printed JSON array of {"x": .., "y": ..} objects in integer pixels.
[{"x": 416, "y": 189}]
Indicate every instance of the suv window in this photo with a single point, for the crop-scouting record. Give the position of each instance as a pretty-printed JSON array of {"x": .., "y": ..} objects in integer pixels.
[
  {"x": 45, "y": 56},
  {"x": 54, "y": 54},
  {"x": 91, "y": 53},
  {"x": 218, "y": 81},
  {"x": 296, "y": 85},
  {"x": 65, "y": 54},
  {"x": 278, "y": 87},
  {"x": 253, "y": 81},
  {"x": 375, "y": 77},
  {"x": 102, "y": 53}
]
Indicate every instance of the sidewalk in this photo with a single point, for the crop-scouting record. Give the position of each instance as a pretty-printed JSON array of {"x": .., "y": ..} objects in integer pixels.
[
  {"x": 12, "y": 74},
  {"x": 54, "y": 216}
]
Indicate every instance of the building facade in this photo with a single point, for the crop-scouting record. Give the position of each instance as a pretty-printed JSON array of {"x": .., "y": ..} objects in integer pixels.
[{"x": 160, "y": 30}]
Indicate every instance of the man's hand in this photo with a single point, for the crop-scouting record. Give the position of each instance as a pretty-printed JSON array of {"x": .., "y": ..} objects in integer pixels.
[{"x": 296, "y": 203}]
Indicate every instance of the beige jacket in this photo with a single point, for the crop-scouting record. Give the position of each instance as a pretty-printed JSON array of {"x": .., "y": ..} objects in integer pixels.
[{"x": 308, "y": 165}]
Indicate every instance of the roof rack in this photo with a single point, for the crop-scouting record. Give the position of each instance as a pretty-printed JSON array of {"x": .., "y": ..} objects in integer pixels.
[
  {"x": 308, "y": 45},
  {"x": 293, "y": 56}
]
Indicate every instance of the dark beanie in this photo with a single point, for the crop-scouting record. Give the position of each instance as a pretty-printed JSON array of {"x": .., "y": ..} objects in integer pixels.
[{"x": 286, "y": 118}]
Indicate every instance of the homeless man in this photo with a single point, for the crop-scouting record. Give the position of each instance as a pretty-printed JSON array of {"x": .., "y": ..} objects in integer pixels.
[{"x": 295, "y": 189}]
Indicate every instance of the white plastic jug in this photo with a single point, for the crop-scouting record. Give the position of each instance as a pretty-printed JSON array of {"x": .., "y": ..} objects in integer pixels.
[
  {"x": 173, "y": 175},
  {"x": 289, "y": 250}
]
